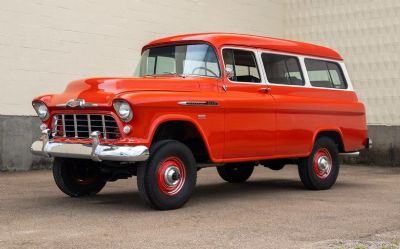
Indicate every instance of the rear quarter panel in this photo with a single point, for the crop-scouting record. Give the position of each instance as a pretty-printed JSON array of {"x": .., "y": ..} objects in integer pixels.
[{"x": 304, "y": 112}]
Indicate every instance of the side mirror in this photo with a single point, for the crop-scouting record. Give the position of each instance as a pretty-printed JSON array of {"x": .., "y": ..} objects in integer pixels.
[{"x": 229, "y": 72}]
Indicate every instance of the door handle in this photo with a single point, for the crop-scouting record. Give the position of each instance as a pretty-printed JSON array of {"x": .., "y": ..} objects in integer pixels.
[{"x": 265, "y": 89}]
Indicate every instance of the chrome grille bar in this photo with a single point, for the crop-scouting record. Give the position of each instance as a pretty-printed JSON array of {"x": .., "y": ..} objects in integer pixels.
[
  {"x": 89, "y": 126},
  {"x": 82, "y": 125},
  {"x": 104, "y": 127},
  {"x": 63, "y": 124},
  {"x": 75, "y": 126}
]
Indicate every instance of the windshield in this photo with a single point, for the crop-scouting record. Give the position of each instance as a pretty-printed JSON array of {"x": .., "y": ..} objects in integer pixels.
[{"x": 195, "y": 59}]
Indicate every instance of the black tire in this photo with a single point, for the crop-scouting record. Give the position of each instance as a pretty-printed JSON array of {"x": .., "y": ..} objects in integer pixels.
[
  {"x": 151, "y": 179},
  {"x": 235, "y": 172},
  {"x": 311, "y": 175},
  {"x": 76, "y": 177},
  {"x": 141, "y": 170}
]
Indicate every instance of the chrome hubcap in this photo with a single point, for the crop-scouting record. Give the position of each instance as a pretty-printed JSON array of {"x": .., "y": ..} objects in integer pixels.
[
  {"x": 172, "y": 176},
  {"x": 323, "y": 164}
]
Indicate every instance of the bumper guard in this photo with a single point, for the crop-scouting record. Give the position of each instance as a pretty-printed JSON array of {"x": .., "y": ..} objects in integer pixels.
[{"x": 94, "y": 151}]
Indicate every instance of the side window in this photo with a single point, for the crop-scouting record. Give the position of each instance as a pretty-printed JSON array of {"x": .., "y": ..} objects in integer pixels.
[
  {"x": 282, "y": 69},
  {"x": 325, "y": 74},
  {"x": 244, "y": 65}
]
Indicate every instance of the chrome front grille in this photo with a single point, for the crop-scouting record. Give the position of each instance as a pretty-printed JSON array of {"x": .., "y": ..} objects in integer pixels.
[{"x": 82, "y": 125}]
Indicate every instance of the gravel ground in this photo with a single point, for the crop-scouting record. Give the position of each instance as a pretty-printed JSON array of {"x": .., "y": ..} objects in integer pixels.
[
  {"x": 272, "y": 210},
  {"x": 357, "y": 244}
]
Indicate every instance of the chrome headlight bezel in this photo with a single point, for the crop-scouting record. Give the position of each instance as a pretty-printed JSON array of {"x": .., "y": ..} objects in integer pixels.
[
  {"x": 123, "y": 110},
  {"x": 41, "y": 110}
]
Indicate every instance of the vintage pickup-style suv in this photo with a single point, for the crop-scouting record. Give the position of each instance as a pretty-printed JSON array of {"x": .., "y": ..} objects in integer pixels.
[{"x": 226, "y": 100}]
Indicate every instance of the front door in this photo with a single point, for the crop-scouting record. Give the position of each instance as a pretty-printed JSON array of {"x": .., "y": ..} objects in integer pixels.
[{"x": 249, "y": 108}]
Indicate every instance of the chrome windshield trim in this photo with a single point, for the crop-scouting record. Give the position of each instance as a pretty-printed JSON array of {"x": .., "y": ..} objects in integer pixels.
[{"x": 215, "y": 50}]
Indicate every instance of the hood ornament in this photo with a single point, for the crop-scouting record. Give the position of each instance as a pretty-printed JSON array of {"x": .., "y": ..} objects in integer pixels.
[{"x": 73, "y": 103}]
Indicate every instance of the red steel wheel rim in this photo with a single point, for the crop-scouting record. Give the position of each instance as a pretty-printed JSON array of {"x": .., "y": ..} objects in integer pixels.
[
  {"x": 171, "y": 175},
  {"x": 322, "y": 163}
]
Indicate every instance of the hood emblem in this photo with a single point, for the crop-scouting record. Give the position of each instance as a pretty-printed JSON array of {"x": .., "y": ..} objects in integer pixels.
[{"x": 73, "y": 103}]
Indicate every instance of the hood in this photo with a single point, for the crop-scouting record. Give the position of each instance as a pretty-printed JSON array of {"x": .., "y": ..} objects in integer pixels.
[{"x": 103, "y": 90}]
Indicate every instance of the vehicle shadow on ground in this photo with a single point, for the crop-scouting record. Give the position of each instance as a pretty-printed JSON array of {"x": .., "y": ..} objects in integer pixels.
[
  {"x": 222, "y": 192},
  {"x": 266, "y": 188}
]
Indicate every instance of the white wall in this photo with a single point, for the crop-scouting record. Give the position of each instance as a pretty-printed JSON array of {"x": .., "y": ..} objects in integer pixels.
[
  {"x": 367, "y": 34},
  {"x": 44, "y": 44}
]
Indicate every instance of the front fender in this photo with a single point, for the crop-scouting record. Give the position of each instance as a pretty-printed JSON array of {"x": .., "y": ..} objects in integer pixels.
[
  {"x": 185, "y": 118},
  {"x": 151, "y": 109}
]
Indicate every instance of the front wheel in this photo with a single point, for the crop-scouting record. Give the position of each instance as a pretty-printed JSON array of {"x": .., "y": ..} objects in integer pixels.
[
  {"x": 235, "y": 172},
  {"x": 320, "y": 170},
  {"x": 76, "y": 177},
  {"x": 168, "y": 178}
]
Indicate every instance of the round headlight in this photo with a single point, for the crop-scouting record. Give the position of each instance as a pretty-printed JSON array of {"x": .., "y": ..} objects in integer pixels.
[
  {"x": 123, "y": 110},
  {"x": 41, "y": 110}
]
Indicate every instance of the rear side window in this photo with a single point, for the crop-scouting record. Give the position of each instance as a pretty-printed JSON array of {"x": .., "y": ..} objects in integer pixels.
[
  {"x": 325, "y": 74},
  {"x": 243, "y": 64},
  {"x": 282, "y": 69}
]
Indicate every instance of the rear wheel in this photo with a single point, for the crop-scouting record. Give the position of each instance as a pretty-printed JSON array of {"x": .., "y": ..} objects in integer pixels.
[
  {"x": 236, "y": 172},
  {"x": 77, "y": 177},
  {"x": 168, "y": 178},
  {"x": 320, "y": 170}
]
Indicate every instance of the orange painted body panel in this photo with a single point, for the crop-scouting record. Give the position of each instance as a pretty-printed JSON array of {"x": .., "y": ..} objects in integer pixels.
[
  {"x": 250, "y": 121},
  {"x": 246, "y": 125},
  {"x": 303, "y": 112}
]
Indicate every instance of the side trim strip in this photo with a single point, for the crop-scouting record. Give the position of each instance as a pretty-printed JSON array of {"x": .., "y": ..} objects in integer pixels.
[
  {"x": 320, "y": 112},
  {"x": 199, "y": 103}
]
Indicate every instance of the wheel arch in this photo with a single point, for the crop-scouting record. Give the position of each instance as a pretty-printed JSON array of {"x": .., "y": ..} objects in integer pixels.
[
  {"x": 332, "y": 133},
  {"x": 184, "y": 129}
]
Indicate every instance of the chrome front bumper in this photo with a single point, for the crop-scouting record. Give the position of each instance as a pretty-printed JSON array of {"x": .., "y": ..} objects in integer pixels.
[{"x": 94, "y": 151}]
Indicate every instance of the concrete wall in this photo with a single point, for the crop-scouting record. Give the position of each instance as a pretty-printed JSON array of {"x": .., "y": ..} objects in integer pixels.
[
  {"x": 386, "y": 147},
  {"x": 16, "y": 136},
  {"x": 366, "y": 33}
]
